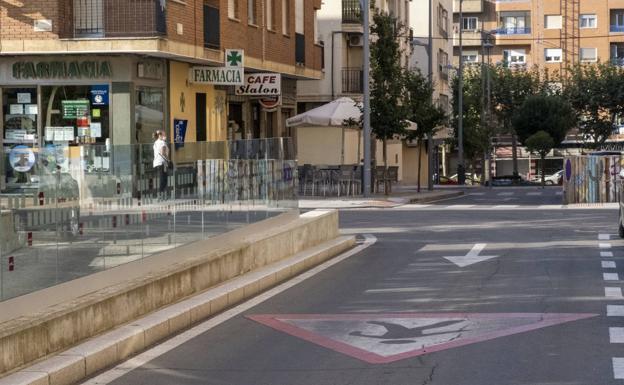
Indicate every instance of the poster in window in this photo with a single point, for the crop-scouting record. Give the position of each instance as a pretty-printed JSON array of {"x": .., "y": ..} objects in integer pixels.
[
  {"x": 99, "y": 95},
  {"x": 31, "y": 109},
  {"x": 24, "y": 97},
  {"x": 21, "y": 158},
  {"x": 16, "y": 109}
]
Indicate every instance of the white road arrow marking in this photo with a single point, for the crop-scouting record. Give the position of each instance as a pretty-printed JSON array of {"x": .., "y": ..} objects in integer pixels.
[{"x": 472, "y": 257}]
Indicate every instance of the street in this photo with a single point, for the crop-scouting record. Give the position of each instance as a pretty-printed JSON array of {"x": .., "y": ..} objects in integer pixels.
[{"x": 499, "y": 286}]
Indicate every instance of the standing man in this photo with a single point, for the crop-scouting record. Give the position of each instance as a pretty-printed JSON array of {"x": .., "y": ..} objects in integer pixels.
[{"x": 161, "y": 161}]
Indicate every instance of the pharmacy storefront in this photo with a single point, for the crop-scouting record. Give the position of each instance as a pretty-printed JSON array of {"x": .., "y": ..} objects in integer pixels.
[{"x": 60, "y": 108}]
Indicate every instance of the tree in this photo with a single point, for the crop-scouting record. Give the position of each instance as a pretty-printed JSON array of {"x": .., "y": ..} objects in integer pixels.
[
  {"x": 548, "y": 113},
  {"x": 596, "y": 92},
  {"x": 542, "y": 123},
  {"x": 510, "y": 88},
  {"x": 540, "y": 143},
  {"x": 388, "y": 114},
  {"x": 421, "y": 110}
]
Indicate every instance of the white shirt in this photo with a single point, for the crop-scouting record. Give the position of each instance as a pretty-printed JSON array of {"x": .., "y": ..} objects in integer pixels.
[{"x": 159, "y": 160}]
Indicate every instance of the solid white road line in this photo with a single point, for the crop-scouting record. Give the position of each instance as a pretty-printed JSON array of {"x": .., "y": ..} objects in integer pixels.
[
  {"x": 606, "y": 254},
  {"x": 506, "y": 207},
  {"x": 615, "y": 311},
  {"x": 460, "y": 206},
  {"x": 616, "y": 335},
  {"x": 158, "y": 350},
  {"x": 618, "y": 368},
  {"x": 610, "y": 276},
  {"x": 608, "y": 265},
  {"x": 477, "y": 193},
  {"x": 613, "y": 292},
  {"x": 604, "y": 237},
  {"x": 550, "y": 207},
  {"x": 604, "y": 245}
]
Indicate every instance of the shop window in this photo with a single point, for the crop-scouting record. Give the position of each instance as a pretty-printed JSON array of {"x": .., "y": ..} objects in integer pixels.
[
  {"x": 20, "y": 115},
  {"x": 149, "y": 115},
  {"x": 75, "y": 114}
]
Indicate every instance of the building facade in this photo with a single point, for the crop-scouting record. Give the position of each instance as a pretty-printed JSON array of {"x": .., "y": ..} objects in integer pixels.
[
  {"x": 550, "y": 34},
  {"x": 78, "y": 73},
  {"x": 341, "y": 32}
]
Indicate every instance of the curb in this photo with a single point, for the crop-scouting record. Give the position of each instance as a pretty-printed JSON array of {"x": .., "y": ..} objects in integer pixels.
[
  {"x": 435, "y": 198},
  {"x": 98, "y": 353}
]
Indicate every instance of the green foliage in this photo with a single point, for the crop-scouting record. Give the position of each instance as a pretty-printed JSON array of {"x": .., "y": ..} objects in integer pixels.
[
  {"x": 544, "y": 113},
  {"x": 596, "y": 92},
  {"x": 421, "y": 109},
  {"x": 540, "y": 143},
  {"x": 387, "y": 85}
]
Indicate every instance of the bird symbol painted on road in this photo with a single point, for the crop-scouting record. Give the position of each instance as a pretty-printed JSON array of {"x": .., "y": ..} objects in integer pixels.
[{"x": 399, "y": 334}]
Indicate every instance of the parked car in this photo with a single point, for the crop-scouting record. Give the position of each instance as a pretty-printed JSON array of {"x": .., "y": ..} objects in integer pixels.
[{"x": 550, "y": 180}]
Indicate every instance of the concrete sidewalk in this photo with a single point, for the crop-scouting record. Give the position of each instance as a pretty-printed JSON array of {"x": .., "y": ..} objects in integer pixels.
[{"x": 401, "y": 196}]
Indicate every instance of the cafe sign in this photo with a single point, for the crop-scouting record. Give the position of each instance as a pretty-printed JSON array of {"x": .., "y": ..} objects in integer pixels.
[
  {"x": 261, "y": 84},
  {"x": 222, "y": 76},
  {"x": 85, "y": 69}
]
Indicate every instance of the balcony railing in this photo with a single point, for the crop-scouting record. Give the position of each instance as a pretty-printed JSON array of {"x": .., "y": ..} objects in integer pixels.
[
  {"x": 351, "y": 12},
  {"x": 117, "y": 18},
  {"x": 512, "y": 31},
  {"x": 617, "y": 28},
  {"x": 352, "y": 80}
]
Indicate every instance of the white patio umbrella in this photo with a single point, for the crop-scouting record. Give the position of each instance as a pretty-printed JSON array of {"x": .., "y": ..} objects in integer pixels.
[{"x": 330, "y": 114}]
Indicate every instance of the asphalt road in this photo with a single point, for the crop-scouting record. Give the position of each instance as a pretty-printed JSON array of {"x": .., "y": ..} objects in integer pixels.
[{"x": 400, "y": 313}]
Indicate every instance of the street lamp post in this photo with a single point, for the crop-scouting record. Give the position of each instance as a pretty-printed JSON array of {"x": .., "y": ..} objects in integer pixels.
[
  {"x": 366, "y": 113},
  {"x": 461, "y": 173}
]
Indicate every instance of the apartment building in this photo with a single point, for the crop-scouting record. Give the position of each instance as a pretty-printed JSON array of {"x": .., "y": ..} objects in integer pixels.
[
  {"x": 114, "y": 71},
  {"x": 550, "y": 34},
  {"x": 435, "y": 16}
]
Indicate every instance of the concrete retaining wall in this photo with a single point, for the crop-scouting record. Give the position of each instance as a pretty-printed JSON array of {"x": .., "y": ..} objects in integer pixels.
[
  {"x": 92, "y": 305},
  {"x": 9, "y": 240}
]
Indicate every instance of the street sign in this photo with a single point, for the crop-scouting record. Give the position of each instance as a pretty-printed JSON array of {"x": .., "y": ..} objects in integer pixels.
[
  {"x": 384, "y": 338},
  {"x": 472, "y": 257}
]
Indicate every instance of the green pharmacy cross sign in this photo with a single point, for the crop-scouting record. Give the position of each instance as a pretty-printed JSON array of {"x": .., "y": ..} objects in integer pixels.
[{"x": 234, "y": 57}]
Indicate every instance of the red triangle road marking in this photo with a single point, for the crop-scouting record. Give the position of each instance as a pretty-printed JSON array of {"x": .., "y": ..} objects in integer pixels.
[{"x": 383, "y": 338}]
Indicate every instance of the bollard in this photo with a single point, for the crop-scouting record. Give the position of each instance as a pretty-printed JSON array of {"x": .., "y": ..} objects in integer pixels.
[
  {"x": 81, "y": 228},
  {"x": 127, "y": 219},
  {"x": 11, "y": 263},
  {"x": 114, "y": 221},
  {"x": 169, "y": 239},
  {"x": 29, "y": 238}
]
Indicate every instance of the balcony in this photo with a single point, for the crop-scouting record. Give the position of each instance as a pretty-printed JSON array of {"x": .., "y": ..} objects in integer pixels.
[
  {"x": 469, "y": 38},
  {"x": 351, "y": 12},
  {"x": 469, "y": 6},
  {"x": 352, "y": 80},
  {"x": 116, "y": 18},
  {"x": 617, "y": 28},
  {"x": 512, "y": 31}
]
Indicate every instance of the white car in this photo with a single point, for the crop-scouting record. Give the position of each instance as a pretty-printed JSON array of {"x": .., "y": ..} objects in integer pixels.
[{"x": 550, "y": 180}]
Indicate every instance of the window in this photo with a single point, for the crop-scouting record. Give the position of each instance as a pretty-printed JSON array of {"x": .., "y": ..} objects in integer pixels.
[
  {"x": 552, "y": 21},
  {"x": 270, "y": 16},
  {"x": 252, "y": 12},
  {"x": 512, "y": 23},
  {"x": 233, "y": 9},
  {"x": 299, "y": 16},
  {"x": 514, "y": 57},
  {"x": 589, "y": 54},
  {"x": 443, "y": 20},
  {"x": 212, "y": 27},
  {"x": 470, "y": 23},
  {"x": 589, "y": 21},
  {"x": 443, "y": 64},
  {"x": 552, "y": 55},
  {"x": 470, "y": 57},
  {"x": 285, "y": 16}
]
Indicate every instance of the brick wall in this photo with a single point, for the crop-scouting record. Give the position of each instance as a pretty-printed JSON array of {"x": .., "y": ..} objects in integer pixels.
[
  {"x": 17, "y": 18},
  {"x": 126, "y": 18}
]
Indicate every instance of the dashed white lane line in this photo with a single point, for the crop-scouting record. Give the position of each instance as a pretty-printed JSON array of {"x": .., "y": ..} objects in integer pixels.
[
  {"x": 534, "y": 193},
  {"x": 604, "y": 245},
  {"x": 477, "y": 193},
  {"x": 606, "y": 254},
  {"x": 613, "y": 292},
  {"x": 608, "y": 265},
  {"x": 615, "y": 311},
  {"x": 505, "y": 194},
  {"x": 604, "y": 237},
  {"x": 559, "y": 193},
  {"x": 618, "y": 368},
  {"x": 610, "y": 276},
  {"x": 616, "y": 335}
]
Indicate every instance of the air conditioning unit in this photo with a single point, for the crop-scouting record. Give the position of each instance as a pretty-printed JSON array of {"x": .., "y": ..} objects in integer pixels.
[{"x": 356, "y": 40}]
